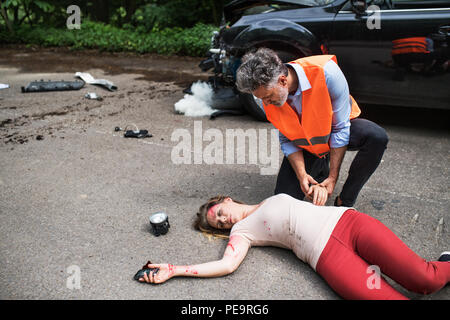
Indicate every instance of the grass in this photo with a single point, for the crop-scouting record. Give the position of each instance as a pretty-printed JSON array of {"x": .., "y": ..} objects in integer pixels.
[{"x": 193, "y": 41}]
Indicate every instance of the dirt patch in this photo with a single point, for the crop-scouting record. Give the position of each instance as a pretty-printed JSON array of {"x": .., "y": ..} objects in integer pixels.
[
  {"x": 142, "y": 81},
  {"x": 181, "y": 71}
]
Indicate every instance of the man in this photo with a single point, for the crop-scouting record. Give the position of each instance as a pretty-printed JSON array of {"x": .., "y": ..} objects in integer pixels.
[{"x": 308, "y": 101}]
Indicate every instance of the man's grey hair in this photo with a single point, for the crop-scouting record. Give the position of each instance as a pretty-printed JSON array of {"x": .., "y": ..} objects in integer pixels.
[{"x": 260, "y": 68}]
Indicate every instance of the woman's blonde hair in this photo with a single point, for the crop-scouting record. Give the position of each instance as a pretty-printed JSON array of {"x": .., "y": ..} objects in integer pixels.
[{"x": 202, "y": 224}]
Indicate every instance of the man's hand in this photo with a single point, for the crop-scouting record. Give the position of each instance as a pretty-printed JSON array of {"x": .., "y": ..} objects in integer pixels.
[
  {"x": 298, "y": 164},
  {"x": 305, "y": 181},
  {"x": 336, "y": 157},
  {"x": 329, "y": 184}
]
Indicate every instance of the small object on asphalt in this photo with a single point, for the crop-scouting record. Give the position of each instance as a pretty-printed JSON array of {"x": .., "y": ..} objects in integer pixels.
[
  {"x": 39, "y": 137},
  {"x": 160, "y": 223},
  {"x": 117, "y": 129},
  {"x": 88, "y": 78},
  {"x": 93, "y": 96},
  {"x": 41, "y": 86},
  {"x": 4, "y": 86},
  {"x": 136, "y": 133},
  {"x": 145, "y": 269},
  {"x": 377, "y": 204}
]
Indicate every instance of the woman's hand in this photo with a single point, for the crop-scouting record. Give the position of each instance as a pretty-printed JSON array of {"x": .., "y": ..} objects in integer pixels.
[
  {"x": 319, "y": 194},
  {"x": 165, "y": 272},
  {"x": 235, "y": 252}
]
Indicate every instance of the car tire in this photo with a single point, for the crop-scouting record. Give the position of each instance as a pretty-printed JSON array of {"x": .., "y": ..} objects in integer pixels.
[{"x": 251, "y": 104}]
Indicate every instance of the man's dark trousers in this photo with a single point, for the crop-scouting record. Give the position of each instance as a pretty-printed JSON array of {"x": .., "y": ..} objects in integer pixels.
[{"x": 366, "y": 137}]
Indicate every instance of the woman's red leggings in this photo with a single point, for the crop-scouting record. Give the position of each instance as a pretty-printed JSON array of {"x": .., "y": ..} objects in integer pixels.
[{"x": 360, "y": 247}]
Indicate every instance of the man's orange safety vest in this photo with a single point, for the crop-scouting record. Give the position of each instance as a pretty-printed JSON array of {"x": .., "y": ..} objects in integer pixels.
[{"x": 312, "y": 132}]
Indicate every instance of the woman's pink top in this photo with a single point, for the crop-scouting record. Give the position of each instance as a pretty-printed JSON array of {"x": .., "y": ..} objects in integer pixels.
[{"x": 286, "y": 222}]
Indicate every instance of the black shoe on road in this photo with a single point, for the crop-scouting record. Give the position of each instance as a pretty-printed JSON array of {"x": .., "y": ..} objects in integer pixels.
[{"x": 445, "y": 256}]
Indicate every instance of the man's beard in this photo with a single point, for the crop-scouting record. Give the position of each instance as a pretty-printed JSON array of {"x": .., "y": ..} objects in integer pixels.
[{"x": 284, "y": 94}]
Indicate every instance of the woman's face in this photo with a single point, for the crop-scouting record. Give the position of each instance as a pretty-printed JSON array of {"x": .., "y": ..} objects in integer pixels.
[{"x": 224, "y": 215}]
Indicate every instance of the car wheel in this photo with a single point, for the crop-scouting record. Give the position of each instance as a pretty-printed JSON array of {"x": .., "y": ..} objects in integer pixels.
[{"x": 252, "y": 105}]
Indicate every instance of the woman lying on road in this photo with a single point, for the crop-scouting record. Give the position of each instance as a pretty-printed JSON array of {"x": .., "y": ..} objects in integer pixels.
[{"x": 339, "y": 243}]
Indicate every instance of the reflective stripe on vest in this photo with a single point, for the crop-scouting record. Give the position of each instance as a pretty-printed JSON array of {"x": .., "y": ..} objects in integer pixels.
[
  {"x": 312, "y": 133},
  {"x": 312, "y": 141},
  {"x": 409, "y": 45}
]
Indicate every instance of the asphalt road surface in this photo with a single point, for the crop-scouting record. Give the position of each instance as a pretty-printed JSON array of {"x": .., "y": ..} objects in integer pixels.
[{"x": 75, "y": 195}]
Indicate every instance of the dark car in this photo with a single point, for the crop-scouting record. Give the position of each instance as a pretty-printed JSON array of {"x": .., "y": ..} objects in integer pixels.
[{"x": 369, "y": 38}]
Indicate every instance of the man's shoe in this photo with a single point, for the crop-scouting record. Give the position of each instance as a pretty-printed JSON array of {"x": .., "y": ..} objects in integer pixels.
[{"x": 445, "y": 256}]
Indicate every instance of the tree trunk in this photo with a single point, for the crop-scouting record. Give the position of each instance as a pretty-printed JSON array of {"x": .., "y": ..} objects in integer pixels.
[
  {"x": 16, "y": 15},
  {"x": 101, "y": 12},
  {"x": 130, "y": 8},
  {"x": 27, "y": 12},
  {"x": 5, "y": 17}
]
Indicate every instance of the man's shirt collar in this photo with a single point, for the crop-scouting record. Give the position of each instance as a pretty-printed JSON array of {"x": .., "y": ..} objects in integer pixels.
[{"x": 302, "y": 79}]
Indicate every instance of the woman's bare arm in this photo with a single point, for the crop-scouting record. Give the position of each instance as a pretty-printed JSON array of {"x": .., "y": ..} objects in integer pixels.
[{"x": 234, "y": 254}]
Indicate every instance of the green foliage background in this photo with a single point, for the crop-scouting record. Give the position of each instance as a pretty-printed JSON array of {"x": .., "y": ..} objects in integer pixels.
[{"x": 182, "y": 27}]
